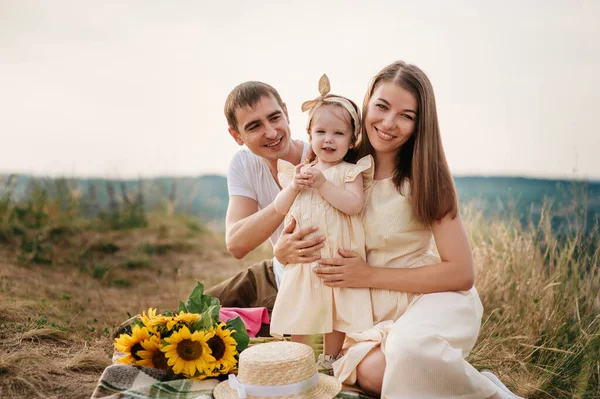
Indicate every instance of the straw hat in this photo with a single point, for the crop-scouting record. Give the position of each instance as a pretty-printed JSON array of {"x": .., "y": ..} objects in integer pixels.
[{"x": 278, "y": 369}]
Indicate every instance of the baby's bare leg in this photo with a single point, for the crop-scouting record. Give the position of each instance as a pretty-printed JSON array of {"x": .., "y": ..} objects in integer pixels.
[
  {"x": 333, "y": 342},
  {"x": 332, "y": 346},
  {"x": 303, "y": 339}
]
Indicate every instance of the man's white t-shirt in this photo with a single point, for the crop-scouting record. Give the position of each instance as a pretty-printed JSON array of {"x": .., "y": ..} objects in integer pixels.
[{"x": 249, "y": 176}]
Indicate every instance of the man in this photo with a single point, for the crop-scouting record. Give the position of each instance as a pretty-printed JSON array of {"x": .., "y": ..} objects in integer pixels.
[{"x": 258, "y": 118}]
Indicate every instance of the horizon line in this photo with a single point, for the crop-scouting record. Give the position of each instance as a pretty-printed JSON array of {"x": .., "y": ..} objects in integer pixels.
[{"x": 4, "y": 175}]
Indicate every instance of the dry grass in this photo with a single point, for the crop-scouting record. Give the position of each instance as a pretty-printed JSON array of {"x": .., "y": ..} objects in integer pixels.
[
  {"x": 56, "y": 320},
  {"x": 541, "y": 330}
]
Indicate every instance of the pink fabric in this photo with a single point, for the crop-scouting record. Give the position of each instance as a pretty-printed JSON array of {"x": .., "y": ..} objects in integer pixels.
[{"x": 252, "y": 317}]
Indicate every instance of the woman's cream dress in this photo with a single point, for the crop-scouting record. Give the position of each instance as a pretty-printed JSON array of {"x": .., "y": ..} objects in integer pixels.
[
  {"x": 304, "y": 305},
  {"x": 424, "y": 337}
]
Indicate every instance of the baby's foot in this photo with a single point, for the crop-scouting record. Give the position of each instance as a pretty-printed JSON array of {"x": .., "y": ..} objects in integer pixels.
[{"x": 325, "y": 363}]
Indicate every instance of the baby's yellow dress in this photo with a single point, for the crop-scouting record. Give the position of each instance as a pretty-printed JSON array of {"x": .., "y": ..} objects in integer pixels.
[{"x": 304, "y": 305}]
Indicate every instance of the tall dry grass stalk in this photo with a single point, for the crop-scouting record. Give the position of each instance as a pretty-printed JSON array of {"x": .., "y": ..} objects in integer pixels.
[{"x": 540, "y": 290}]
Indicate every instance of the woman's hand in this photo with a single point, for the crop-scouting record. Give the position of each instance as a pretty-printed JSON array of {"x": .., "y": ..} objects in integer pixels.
[
  {"x": 301, "y": 179},
  {"x": 351, "y": 271},
  {"x": 292, "y": 248}
]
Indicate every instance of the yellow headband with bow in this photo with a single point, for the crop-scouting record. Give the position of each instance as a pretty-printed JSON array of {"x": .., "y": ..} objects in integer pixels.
[{"x": 324, "y": 88}]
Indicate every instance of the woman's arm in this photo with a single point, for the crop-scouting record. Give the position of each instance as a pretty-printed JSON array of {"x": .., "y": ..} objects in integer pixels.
[
  {"x": 454, "y": 273},
  {"x": 349, "y": 199}
]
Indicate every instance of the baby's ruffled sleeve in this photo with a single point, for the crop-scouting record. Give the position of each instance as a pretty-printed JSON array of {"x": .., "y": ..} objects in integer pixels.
[
  {"x": 285, "y": 173},
  {"x": 366, "y": 167}
]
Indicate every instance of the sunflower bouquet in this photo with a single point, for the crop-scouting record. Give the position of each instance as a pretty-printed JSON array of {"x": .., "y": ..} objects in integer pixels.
[{"x": 191, "y": 342}]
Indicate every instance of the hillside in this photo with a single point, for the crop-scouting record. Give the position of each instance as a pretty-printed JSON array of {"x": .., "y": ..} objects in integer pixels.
[{"x": 206, "y": 196}]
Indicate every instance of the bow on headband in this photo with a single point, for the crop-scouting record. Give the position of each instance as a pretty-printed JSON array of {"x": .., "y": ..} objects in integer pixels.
[
  {"x": 324, "y": 88},
  {"x": 324, "y": 98}
]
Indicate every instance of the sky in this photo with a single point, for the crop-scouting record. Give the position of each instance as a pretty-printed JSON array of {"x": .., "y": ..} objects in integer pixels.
[{"x": 135, "y": 88}]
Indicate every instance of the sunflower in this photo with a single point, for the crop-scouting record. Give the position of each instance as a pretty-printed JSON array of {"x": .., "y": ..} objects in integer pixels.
[
  {"x": 131, "y": 344},
  {"x": 151, "y": 355},
  {"x": 172, "y": 321},
  {"x": 187, "y": 352},
  {"x": 188, "y": 318},
  {"x": 223, "y": 347},
  {"x": 150, "y": 319}
]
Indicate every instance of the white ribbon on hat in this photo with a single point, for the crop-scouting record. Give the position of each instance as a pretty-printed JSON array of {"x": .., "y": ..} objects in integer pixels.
[{"x": 243, "y": 390}]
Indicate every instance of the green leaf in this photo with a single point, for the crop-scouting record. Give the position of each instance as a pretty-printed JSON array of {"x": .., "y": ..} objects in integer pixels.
[
  {"x": 182, "y": 307},
  {"x": 199, "y": 325},
  {"x": 204, "y": 323},
  {"x": 213, "y": 311},
  {"x": 137, "y": 322},
  {"x": 199, "y": 303},
  {"x": 194, "y": 303},
  {"x": 240, "y": 335},
  {"x": 210, "y": 317}
]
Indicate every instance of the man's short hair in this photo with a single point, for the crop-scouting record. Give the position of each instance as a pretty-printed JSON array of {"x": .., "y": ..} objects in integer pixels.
[{"x": 247, "y": 94}]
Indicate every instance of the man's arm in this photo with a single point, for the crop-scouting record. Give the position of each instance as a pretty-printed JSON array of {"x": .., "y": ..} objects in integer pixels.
[{"x": 247, "y": 227}]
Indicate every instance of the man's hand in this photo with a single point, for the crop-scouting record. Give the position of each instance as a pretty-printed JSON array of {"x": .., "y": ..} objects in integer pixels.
[{"x": 292, "y": 248}]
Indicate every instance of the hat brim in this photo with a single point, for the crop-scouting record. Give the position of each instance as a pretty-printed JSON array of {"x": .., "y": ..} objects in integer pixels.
[{"x": 327, "y": 388}]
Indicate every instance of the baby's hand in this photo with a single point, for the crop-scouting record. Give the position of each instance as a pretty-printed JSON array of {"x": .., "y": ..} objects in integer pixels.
[
  {"x": 316, "y": 176},
  {"x": 301, "y": 179}
]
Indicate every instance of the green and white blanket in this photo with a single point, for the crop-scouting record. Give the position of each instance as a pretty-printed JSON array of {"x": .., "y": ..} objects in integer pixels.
[{"x": 121, "y": 381}]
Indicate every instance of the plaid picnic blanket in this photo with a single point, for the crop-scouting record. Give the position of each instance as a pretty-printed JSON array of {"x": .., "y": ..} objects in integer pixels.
[{"x": 121, "y": 381}]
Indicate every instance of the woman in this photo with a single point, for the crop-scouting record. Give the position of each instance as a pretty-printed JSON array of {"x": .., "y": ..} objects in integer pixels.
[{"x": 426, "y": 309}]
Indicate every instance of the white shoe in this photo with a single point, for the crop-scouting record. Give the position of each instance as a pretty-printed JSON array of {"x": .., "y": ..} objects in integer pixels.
[
  {"x": 503, "y": 391},
  {"x": 325, "y": 364}
]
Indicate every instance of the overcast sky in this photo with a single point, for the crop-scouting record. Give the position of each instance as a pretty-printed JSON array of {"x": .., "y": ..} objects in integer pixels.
[{"x": 136, "y": 88}]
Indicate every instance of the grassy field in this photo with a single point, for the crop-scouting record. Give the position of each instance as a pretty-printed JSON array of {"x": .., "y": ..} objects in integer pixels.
[
  {"x": 207, "y": 197},
  {"x": 67, "y": 281}
]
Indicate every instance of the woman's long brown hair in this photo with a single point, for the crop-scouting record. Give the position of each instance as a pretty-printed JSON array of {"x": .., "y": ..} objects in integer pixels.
[{"x": 420, "y": 161}]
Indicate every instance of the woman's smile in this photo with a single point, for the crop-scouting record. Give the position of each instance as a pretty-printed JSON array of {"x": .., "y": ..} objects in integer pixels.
[{"x": 384, "y": 135}]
